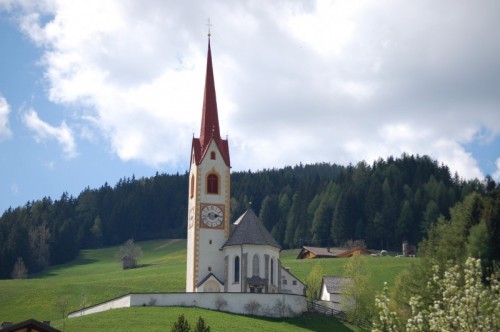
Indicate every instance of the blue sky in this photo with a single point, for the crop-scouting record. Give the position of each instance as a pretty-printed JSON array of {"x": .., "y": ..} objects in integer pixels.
[{"x": 93, "y": 91}]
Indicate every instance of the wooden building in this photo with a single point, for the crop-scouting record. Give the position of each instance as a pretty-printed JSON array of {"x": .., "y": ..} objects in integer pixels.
[
  {"x": 30, "y": 325},
  {"x": 316, "y": 252}
]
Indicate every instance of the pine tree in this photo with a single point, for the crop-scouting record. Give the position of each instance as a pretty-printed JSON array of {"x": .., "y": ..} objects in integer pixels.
[
  {"x": 181, "y": 325},
  {"x": 201, "y": 326}
]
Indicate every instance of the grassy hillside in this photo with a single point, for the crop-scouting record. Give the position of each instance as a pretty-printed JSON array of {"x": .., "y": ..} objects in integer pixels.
[
  {"x": 381, "y": 269},
  {"x": 95, "y": 277},
  {"x": 161, "y": 319}
]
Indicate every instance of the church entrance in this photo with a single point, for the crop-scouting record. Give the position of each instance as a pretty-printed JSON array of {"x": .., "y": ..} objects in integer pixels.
[{"x": 256, "y": 284}]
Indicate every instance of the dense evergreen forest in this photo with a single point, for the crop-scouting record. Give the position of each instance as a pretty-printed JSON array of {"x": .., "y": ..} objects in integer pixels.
[{"x": 321, "y": 204}]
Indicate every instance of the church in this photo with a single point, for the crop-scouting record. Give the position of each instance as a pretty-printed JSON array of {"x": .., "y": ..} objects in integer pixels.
[
  {"x": 234, "y": 267},
  {"x": 241, "y": 257}
]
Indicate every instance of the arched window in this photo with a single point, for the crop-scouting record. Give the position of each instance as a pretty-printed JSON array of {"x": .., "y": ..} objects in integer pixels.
[
  {"x": 272, "y": 271},
  {"x": 212, "y": 184},
  {"x": 255, "y": 265},
  {"x": 212, "y": 155},
  {"x": 237, "y": 269},
  {"x": 192, "y": 186}
]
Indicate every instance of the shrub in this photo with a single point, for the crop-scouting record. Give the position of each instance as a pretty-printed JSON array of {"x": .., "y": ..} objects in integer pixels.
[
  {"x": 19, "y": 271},
  {"x": 252, "y": 307},
  {"x": 220, "y": 303}
]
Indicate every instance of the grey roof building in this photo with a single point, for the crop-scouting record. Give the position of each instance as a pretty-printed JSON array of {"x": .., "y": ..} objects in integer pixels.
[{"x": 248, "y": 229}]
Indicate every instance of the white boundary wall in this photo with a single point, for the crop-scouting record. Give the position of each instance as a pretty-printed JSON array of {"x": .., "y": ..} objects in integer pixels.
[
  {"x": 120, "y": 302},
  {"x": 269, "y": 305}
]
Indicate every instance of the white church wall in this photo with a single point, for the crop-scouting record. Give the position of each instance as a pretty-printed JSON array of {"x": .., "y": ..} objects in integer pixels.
[
  {"x": 251, "y": 250},
  {"x": 211, "y": 259},
  {"x": 121, "y": 302},
  {"x": 232, "y": 284},
  {"x": 260, "y": 251},
  {"x": 290, "y": 284},
  {"x": 269, "y": 305}
]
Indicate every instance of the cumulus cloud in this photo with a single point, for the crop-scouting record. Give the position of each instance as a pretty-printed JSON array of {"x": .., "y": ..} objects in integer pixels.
[
  {"x": 44, "y": 131},
  {"x": 496, "y": 174},
  {"x": 5, "y": 131},
  {"x": 296, "y": 82}
]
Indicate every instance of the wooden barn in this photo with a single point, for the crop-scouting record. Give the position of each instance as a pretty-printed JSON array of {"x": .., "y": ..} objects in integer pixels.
[{"x": 316, "y": 252}]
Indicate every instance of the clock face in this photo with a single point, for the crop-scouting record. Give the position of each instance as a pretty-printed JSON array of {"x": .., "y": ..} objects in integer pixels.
[{"x": 212, "y": 215}]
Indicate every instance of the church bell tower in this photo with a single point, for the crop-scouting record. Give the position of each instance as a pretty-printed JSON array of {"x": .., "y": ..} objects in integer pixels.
[{"x": 208, "y": 194}]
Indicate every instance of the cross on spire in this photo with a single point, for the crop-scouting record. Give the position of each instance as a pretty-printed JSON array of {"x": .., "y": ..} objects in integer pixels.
[{"x": 209, "y": 25}]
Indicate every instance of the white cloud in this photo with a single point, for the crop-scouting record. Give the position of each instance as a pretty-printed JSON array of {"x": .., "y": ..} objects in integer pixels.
[
  {"x": 296, "y": 82},
  {"x": 44, "y": 131},
  {"x": 5, "y": 131},
  {"x": 496, "y": 174},
  {"x": 14, "y": 188}
]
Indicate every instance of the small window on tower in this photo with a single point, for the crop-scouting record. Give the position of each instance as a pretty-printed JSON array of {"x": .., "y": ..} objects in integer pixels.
[
  {"x": 192, "y": 187},
  {"x": 209, "y": 269},
  {"x": 209, "y": 241},
  {"x": 212, "y": 184},
  {"x": 212, "y": 155}
]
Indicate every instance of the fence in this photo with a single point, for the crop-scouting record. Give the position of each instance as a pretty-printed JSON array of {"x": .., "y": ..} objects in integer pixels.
[{"x": 314, "y": 306}]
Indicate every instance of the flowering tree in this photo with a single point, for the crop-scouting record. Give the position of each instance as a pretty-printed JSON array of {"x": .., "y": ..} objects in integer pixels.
[
  {"x": 385, "y": 320},
  {"x": 461, "y": 303}
]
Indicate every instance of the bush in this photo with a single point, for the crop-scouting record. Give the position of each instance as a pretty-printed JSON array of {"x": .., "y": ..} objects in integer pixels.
[
  {"x": 252, "y": 307},
  {"x": 19, "y": 271},
  {"x": 220, "y": 303}
]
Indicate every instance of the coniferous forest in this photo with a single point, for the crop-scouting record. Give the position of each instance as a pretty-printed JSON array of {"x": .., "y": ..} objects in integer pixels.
[{"x": 384, "y": 204}]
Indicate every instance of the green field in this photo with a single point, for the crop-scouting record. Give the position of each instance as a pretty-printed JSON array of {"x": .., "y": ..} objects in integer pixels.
[{"x": 96, "y": 277}]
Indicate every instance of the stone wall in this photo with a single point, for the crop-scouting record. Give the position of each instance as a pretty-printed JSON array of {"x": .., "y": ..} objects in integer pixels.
[{"x": 269, "y": 305}]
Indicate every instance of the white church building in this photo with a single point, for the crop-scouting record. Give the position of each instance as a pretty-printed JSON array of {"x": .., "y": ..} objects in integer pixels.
[
  {"x": 241, "y": 257},
  {"x": 230, "y": 266}
]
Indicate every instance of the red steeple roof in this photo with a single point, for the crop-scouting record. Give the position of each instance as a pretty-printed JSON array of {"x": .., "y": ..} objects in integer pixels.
[{"x": 210, "y": 119}]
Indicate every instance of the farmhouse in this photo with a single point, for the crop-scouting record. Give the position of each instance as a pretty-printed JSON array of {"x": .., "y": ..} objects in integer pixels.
[
  {"x": 333, "y": 290},
  {"x": 315, "y": 252}
]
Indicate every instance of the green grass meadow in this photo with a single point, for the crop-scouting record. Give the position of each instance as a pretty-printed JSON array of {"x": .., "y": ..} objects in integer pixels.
[{"x": 96, "y": 277}]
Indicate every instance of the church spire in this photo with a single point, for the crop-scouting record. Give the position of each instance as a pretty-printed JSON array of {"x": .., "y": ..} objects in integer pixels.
[{"x": 210, "y": 118}]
